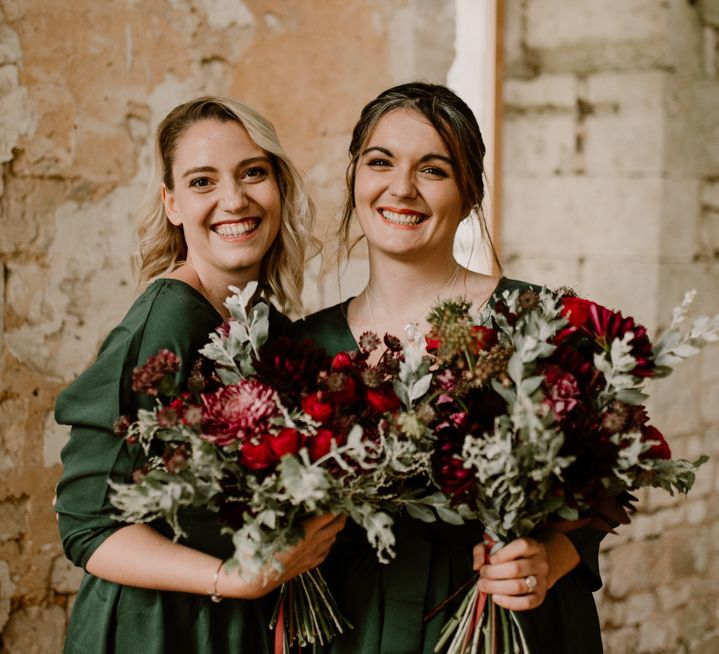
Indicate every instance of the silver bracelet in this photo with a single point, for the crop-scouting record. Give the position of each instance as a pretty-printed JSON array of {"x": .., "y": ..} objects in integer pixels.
[{"x": 214, "y": 593}]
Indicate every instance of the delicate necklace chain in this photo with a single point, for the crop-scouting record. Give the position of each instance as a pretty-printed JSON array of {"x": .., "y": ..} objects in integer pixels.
[{"x": 411, "y": 329}]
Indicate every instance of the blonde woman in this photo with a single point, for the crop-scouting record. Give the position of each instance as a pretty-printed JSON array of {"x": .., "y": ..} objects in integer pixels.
[{"x": 226, "y": 207}]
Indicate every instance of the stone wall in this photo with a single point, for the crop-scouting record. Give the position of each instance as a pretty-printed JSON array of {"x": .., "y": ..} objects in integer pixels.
[
  {"x": 611, "y": 173},
  {"x": 611, "y": 184},
  {"x": 82, "y": 86}
]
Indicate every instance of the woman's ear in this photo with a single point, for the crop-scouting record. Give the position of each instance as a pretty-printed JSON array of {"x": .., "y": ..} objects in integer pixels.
[{"x": 168, "y": 200}]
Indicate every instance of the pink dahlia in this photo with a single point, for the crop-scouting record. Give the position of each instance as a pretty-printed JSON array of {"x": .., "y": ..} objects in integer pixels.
[
  {"x": 241, "y": 412},
  {"x": 561, "y": 390}
]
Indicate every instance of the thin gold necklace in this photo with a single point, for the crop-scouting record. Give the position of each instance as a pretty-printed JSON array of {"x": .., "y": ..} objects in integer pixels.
[{"x": 411, "y": 328}]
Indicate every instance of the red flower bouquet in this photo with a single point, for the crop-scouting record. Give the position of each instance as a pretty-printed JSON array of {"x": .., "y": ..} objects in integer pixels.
[
  {"x": 537, "y": 408},
  {"x": 267, "y": 435}
]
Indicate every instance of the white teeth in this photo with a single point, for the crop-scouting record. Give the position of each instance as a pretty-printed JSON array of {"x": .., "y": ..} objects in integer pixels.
[
  {"x": 237, "y": 229},
  {"x": 403, "y": 218}
]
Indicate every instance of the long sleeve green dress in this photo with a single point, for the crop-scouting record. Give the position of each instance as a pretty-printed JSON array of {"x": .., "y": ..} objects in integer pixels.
[
  {"x": 387, "y": 603},
  {"x": 107, "y": 617}
]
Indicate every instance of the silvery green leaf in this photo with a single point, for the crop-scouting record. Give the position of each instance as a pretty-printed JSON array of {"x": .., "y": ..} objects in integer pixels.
[
  {"x": 449, "y": 516},
  {"x": 420, "y": 512},
  {"x": 420, "y": 387},
  {"x": 259, "y": 329},
  {"x": 400, "y": 388},
  {"x": 228, "y": 376},
  {"x": 508, "y": 394},
  {"x": 632, "y": 396},
  {"x": 531, "y": 384},
  {"x": 515, "y": 367}
]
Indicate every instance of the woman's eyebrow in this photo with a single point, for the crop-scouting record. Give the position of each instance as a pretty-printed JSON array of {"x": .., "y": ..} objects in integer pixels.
[
  {"x": 212, "y": 169},
  {"x": 427, "y": 157}
]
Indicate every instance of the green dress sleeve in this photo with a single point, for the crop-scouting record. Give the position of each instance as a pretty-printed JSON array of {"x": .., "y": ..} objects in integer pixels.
[{"x": 109, "y": 618}]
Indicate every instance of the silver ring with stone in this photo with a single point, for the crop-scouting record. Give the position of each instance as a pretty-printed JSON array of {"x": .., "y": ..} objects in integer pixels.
[{"x": 531, "y": 582}]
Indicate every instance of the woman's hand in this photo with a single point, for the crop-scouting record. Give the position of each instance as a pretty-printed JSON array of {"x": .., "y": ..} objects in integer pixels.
[
  {"x": 311, "y": 551},
  {"x": 508, "y": 573}
]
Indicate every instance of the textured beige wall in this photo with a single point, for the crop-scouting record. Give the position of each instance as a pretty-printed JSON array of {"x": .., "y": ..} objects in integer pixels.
[
  {"x": 611, "y": 168},
  {"x": 611, "y": 184},
  {"x": 82, "y": 86}
]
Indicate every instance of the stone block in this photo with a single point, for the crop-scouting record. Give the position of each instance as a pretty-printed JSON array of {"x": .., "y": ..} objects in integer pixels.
[
  {"x": 514, "y": 54},
  {"x": 7, "y": 591},
  {"x": 550, "y": 272},
  {"x": 625, "y": 124},
  {"x": 624, "y": 285},
  {"x": 691, "y": 129},
  {"x": 15, "y": 120},
  {"x": 708, "y": 246},
  {"x": 620, "y": 641},
  {"x": 658, "y": 634},
  {"x": 674, "y": 596},
  {"x": 12, "y": 518},
  {"x": 35, "y": 630},
  {"x": 543, "y": 93},
  {"x": 709, "y": 10},
  {"x": 680, "y": 238},
  {"x": 65, "y": 577},
  {"x": 637, "y": 567},
  {"x": 580, "y": 216},
  {"x": 539, "y": 144},
  {"x": 13, "y": 415}
]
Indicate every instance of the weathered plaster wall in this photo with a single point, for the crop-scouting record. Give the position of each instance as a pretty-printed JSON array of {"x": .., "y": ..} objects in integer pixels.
[
  {"x": 612, "y": 185},
  {"x": 82, "y": 86}
]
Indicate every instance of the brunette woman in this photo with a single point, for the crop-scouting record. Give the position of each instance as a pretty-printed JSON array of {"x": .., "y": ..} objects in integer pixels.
[{"x": 416, "y": 171}]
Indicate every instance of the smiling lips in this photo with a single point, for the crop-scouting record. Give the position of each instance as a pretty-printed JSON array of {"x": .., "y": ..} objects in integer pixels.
[
  {"x": 238, "y": 228},
  {"x": 404, "y": 217}
]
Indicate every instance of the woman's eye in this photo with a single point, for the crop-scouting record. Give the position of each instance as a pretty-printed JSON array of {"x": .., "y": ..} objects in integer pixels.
[
  {"x": 256, "y": 173},
  {"x": 200, "y": 182},
  {"x": 434, "y": 171},
  {"x": 378, "y": 163}
]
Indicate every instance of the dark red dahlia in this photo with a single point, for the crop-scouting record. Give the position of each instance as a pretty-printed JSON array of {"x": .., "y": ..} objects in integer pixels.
[
  {"x": 603, "y": 325},
  {"x": 382, "y": 400},
  {"x": 290, "y": 366}
]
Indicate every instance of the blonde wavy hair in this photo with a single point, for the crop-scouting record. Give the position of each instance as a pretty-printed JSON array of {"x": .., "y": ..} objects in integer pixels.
[{"x": 162, "y": 248}]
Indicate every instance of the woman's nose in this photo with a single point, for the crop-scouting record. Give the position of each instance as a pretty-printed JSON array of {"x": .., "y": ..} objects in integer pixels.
[
  {"x": 402, "y": 185},
  {"x": 233, "y": 198}
]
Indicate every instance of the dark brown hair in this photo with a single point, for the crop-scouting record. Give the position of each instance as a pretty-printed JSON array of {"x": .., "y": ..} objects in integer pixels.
[{"x": 458, "y": 129}]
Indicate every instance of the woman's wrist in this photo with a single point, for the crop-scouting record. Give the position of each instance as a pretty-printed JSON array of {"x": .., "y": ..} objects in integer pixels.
[{"x": 562, "y": 556}]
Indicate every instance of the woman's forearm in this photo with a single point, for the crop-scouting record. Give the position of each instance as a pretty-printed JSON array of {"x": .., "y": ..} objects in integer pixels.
[{"x": 562, "y": 556}]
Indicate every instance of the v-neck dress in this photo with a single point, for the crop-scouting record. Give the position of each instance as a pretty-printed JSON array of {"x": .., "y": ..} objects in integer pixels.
[
  {"x": 109, "y": 618},
  {"x": 387, "y": 603}
]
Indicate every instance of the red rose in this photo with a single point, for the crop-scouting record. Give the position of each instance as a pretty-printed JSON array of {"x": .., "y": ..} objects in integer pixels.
[
  {"x": 343, "y": 387},
  {"x": 433, "y": 343},
  {"x": 659, "y": 451},
  {"x": 319, "y": 444},
  {"x": 341, "y": 361},
  {"x": 576, "y": 310},
  {"x": 561, "y": 390},
  {"x": 382, "y": 400},
  {"x": 484, "y": 338},
  {"x": 257, "y": 457},
  {"x": 316, "y": 408},
  {"x": 288, "y": 441}
]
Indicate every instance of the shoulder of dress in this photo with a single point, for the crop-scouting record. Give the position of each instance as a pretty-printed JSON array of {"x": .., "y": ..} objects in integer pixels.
[{"x": 321, "y": 320}]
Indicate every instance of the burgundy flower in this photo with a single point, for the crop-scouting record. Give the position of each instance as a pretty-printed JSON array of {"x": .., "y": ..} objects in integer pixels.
[
  {"x": 157, "y": 369},
  {"x": 319, "y": 444},
  {"x": 382, "y": 400},
  {"x": 603, "y": 325},
  {"x": 343, "y": 387},
  {"x": 659, "y": 451},
  {"x": 121, "y": 425},
  {"x": 483, "y": 338},
  {"x": 317, "y": 408},
  {"x": 342, "y": 361},
  {"x": 257, "y": 456},
  {"x": 561, "y": 390},
  {"x": 240, "y": 412},
  {"x": 175, "y": 459},
  {"x": 289, "y": 366},
  {"x": 287, "y": 441}
]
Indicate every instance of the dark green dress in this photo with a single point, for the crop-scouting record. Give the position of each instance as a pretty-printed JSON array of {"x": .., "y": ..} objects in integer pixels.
[
  {"x": 387, "y": 603},
  {"x": 107, "y": 617}
]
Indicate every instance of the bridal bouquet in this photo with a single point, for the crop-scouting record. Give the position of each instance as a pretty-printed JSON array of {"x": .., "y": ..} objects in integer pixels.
[
  {"x": 267, "y": 435},
  {"x": 537, "y": 408}
]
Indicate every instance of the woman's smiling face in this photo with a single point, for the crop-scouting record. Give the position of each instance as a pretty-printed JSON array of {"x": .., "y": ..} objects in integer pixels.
[
  {"x": 225, "y": 196},
  {"x": 406, "y": 194}
]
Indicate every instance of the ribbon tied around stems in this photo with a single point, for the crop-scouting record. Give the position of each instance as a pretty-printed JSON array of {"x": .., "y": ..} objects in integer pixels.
[{"x": 479, "y": 622}]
